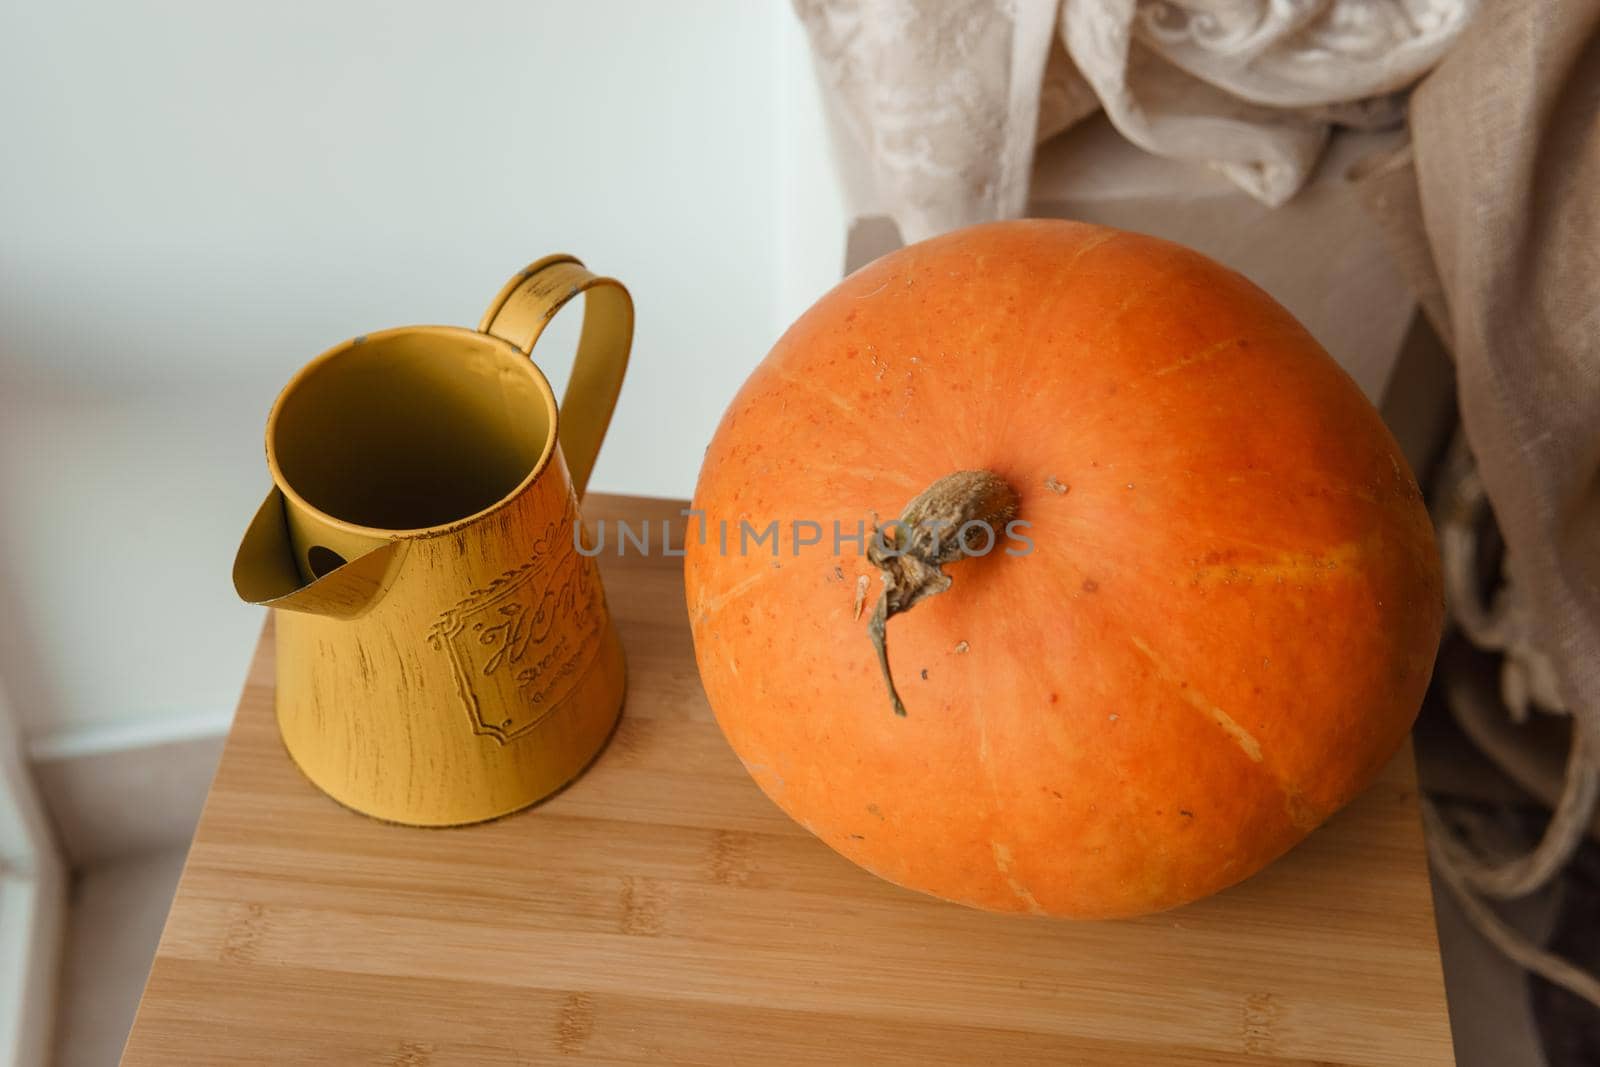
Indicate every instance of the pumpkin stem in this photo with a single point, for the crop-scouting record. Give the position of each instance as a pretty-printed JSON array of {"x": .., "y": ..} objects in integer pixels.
[{"x": 962, "y": 514}]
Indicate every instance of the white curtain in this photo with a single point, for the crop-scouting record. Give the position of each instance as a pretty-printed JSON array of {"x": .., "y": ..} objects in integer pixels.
[{"x": 948, "y": 98}]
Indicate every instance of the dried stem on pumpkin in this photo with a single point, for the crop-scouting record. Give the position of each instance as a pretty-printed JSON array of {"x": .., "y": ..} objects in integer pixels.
[{"x": 961, "y": 514}]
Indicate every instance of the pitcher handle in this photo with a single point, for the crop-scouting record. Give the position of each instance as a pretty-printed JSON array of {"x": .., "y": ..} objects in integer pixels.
[{"x": 519, "y": 313}]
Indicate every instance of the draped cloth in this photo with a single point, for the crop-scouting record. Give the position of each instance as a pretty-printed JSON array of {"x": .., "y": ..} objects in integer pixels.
[
  {"x": 1507, "y": 159},
  {"x": 949, "y": 97},
  {"x": 1494, "y": 212}
]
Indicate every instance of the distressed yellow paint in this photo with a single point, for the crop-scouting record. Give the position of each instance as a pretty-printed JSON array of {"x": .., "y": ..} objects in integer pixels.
[{"x": 450, "y": 671}]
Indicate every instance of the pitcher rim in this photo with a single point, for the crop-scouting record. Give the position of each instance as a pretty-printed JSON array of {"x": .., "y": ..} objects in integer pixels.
[{"x": 546, "y": 455}]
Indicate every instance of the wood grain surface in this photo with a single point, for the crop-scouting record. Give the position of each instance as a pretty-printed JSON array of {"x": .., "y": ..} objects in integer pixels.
[{"x": 662, "y": 910}]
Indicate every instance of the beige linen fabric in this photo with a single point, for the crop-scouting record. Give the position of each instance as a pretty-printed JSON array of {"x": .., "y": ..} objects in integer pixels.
[{"x": 1506, "y": 143}]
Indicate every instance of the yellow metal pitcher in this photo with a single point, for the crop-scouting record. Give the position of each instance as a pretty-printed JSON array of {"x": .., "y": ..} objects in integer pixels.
[{"x": 444, "y": 650}]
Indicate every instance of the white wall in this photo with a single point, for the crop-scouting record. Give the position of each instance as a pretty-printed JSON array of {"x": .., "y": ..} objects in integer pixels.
[{"x": 196, "y": 198}]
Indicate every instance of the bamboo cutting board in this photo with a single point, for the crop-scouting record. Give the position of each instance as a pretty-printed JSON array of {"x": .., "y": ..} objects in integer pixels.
[{"x": 662, "y": 910}]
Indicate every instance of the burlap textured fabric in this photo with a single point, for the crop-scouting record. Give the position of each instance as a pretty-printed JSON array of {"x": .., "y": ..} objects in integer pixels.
[{"x": 1506, "y": 135}]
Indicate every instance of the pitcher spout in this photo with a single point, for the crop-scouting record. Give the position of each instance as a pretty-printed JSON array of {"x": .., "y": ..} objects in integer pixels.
[{"x": 265, "y": 570}]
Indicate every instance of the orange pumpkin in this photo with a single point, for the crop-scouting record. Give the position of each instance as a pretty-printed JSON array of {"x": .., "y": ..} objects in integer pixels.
[{"x": 1222, "y": 631}]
